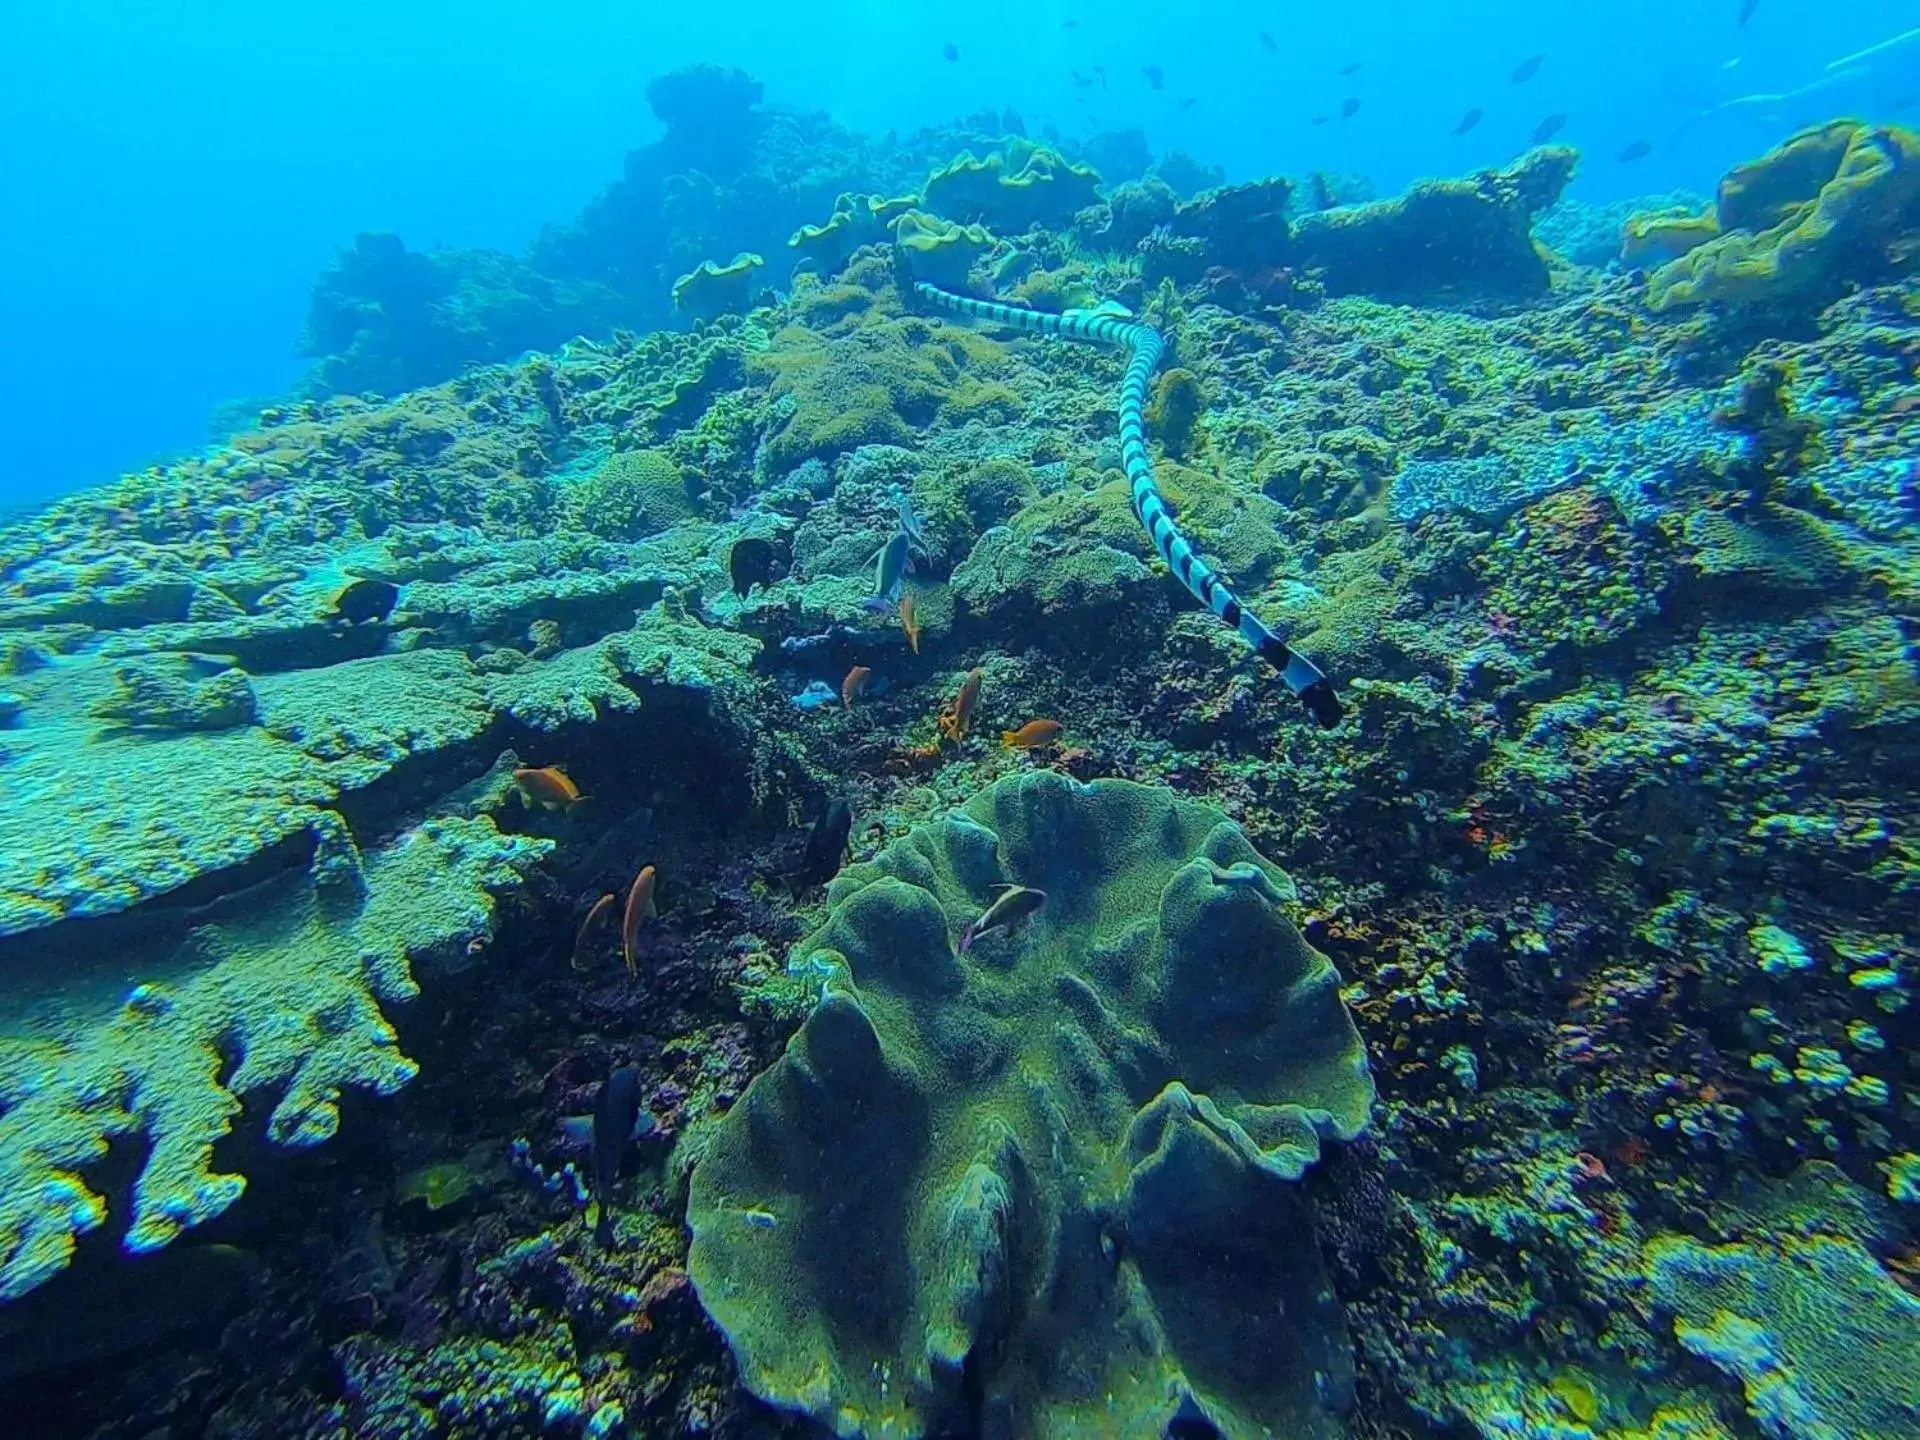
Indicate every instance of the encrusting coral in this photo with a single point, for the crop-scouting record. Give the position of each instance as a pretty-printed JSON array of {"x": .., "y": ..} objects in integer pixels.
[
  {"x": 285, "y": 999},
  {"x": 1045, "y": 1186}
]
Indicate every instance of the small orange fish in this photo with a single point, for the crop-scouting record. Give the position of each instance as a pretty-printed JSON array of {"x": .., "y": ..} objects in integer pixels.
[
  {"x": 590, "y": 928},
  {"x": 908, "y": 623},
  {"x": 851, "y": 687},
  {"x": 547, "y": 787},
  {"x": 953, "y": 720},
  {"x": 639, "y": 904},
  {"x": 1034, "y": 735}
]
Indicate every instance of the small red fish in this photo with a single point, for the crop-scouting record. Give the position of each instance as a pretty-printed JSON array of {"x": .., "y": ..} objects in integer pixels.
[
  {"x": 1012, "y": 905},
  {"x": 1034, "y": 735},
  {"x": 639, "y": 905},
  {"x": 547, "y": 787},
  {"x": 908, "y": 623},
  {"x": 590, "y": 928},
  {"x": 953, "y": 720},
  {"x": 853, "y": 685}
]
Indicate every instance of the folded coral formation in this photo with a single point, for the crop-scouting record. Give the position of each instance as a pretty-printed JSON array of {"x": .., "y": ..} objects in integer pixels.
[
  {"x": 1835, "y": 204},
  {"x": 1050, "y": 1183}
]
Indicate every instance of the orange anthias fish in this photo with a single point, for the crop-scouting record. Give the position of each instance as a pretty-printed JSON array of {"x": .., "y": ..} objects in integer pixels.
[
  {"x": 953, "y": 720},
  {"x": 908, "y": 623},
  {"x": 590, "y": 927},
  {"x": 639, "y": 905},
  {"x": 851, "y": 687},
  {"x": 547, "y": 787},
  {"x": 1034, "y": 735}
]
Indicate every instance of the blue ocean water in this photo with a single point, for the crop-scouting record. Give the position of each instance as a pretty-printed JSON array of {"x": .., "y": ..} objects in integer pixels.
[{"x": 176, "y": 174}]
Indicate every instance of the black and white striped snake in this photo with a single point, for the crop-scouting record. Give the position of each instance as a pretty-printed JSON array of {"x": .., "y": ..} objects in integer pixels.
[{"x": 1301, "y": 675}]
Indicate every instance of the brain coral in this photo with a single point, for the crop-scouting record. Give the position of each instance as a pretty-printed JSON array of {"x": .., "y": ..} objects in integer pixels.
[{"x": 1044, "y": 1187}]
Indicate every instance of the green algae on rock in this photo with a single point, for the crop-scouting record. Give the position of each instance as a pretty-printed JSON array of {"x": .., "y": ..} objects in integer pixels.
[{"x": 1046, "y": 1184}]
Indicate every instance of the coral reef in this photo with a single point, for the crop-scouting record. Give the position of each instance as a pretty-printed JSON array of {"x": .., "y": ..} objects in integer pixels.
[
  {"x": 1079, "y": 1135},
  {"x": 1613, "y": 850},
  {"x": 1471, "y": 236},
  {"x": 1835, "y": 205},
  {"x": 711, "y": 290},
  {"x": 1011, "y": 191}
]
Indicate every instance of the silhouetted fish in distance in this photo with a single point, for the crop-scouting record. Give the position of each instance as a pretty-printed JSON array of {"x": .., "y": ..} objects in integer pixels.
[
  {"x": 1548, "y": 128},
  {"x": 1267, "y": 41},
  {"x": 1635, "y": 150},
  {"x": 1527, "y": 69},
  {"x": 1188, "y": 103},
  {"x": 826, "y": 845},
  {"x": 1349, "y": 108},
  {"x": 1156, "y": 77},
  {"x": 366, "y": 600},
  {"x": 950, "y": 50},
  {"x": 750, "y": 563},
  {"x": 1347, "y": 72},
  {"x": 615, "y": 1113},
  {"x": 1747, "y": 7},
  {"x": 1321, "y": 119},
  {"x": 1468, "y": 121}
]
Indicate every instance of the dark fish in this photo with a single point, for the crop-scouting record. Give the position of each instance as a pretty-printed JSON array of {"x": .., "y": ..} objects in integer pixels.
[
  {"x": 1321, "y": 119},
  {"x": 1548, "y": 128},
  {"x": 950, "y": 50},
  {"x": 826, "y": 845},
  {"x": 366, "y": 600},
  {"x": 1012, "y": 905},
  {"x": 1267, "y": 41},
  {"x": 1189, "y": 103},
  {"x": 1527, "y": 69},
  {"x": 1637, "y": 150},
  {"x": 1349, "y": 108},
  {"x": 1468, "y": 121},
  {"x": 750, "y": 563},
  {"x": 1156, "y": 77},
  {"x": 1347, "y": 72},
  {"x": 615, "y": 1114},
  {"x": 1101, "y": 71},
  {"x": 1069, "y": 24},
  {"x": 1747, "y": 7}
]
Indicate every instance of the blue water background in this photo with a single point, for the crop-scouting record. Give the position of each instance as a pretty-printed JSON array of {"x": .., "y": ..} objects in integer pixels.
[{"x": 176, "y": 174}]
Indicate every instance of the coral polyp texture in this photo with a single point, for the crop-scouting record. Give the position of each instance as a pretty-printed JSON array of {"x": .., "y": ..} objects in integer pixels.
[{"x": 1048, "y": 1185}]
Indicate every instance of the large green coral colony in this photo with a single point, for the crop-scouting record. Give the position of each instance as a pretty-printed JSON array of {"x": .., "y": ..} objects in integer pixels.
[
  {"x": 1833, "y": 204},
  {"x": 1046, "y": 1186}
]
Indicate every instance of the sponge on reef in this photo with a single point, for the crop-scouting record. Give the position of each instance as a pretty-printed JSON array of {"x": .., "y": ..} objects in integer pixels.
[
  {"x": 283, "y": 1000},
  {"x": 1836, "y": 204},
  {"x": 1043, "y": 1187}
]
